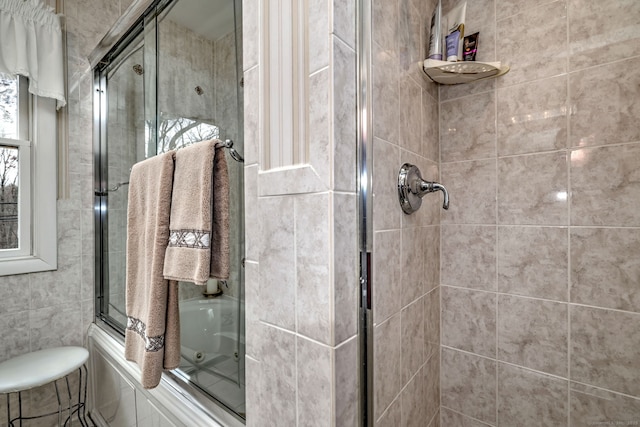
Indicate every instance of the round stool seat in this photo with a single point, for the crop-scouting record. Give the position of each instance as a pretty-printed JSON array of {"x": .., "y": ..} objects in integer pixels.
[{"x": 40, "y": 367}]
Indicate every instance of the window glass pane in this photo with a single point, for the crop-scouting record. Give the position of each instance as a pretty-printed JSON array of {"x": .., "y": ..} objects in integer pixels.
[
  {"x": 8, "y": 197},
  {"x": 8, "y": 108}
]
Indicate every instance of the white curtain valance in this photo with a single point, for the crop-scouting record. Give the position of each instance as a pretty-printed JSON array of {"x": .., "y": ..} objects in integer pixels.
[{"x": 31, "y": 46}]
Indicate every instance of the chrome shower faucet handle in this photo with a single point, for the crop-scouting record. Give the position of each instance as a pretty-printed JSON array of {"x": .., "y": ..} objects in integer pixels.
[{"x": 412, "y": 188}]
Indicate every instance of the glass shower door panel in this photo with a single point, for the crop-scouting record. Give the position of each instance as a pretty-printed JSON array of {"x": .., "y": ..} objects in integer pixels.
[{"x": 125, "y": 127}]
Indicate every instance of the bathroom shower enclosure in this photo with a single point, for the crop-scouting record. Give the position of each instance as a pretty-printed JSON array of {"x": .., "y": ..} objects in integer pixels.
[{"x": 173, "y": 79}]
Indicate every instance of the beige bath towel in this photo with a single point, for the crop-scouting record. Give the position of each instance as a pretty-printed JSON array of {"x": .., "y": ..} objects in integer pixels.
[
  {"x": 199, "y": 228},
  {"x": 152, "y": 337}
]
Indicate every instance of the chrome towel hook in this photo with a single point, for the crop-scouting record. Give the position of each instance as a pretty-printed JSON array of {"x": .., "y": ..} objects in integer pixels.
[{"x": 412, "y": 188}]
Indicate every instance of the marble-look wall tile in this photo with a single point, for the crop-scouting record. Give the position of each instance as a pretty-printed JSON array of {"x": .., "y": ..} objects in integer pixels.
[
  {"x": 387, "y": 298},
  {"x": 452, "y": 418},
  {"x": 470, "y": 203},
  {"x": 318, "y": 34},
  {"x": 412, "y": 399},
  {"x": 386, "y": 92},
  {"x": 605, "y": 95},
  {"x": 345, "y": 266},
  {"x": 252, "y": 309},
  {"x": 319, "y": 131},
  {"x": 449, "y": 92},
  {"x": 605, "y": 349},
  {"x": 278, "y": 378},
  {"x": 533, "y": 43},
  {"x": 253, "y": 398},
  {"x": 346, "y": 384},
  {"x": 593, "y": 406},
  {"x": 602, "y": 32},
  {"x": 385, "y": 24},
  {"x": 533, "y": 261},
  {"x": 314, "y": 376},
  {"x": 14, "y": 334},
  {"x": 344, "y": 118},
  {"x": 386, "y": 163},
  {"x": 430, "y": 127},
  {"x": 469, "y": 320},
  {"x": 532, "y": 117},
  {"x": 532, "y": 189},
  {"x": 392, "y": 417},
  {"x": 410, "y": 116},
  {"x": 506, "y": 8},
  {"x": 605, "y": 267},
  {"x": 344, "y": 18},
  {"x": 431, "y": 380},
  {"x": 250, "y": 36},
  {"x": 55, "y": 326},
  {"x": 468, "y": 128},
  {"x": 528, "y": 398},
  {"x": 15, "y": 293},
  {"x": 412, "y": 273},
  {"x": 412, "y": 331},
  {"x": 412, "y": 48},
  {"x": 432, "y": 323},
  {"x": 386, "y": 359},
  {"x": 469, "y": 256},
  {"x": 468, "y": 384},
  {"x": 533, "y": 333},
  {"x": 251, "y": 225},
  {"x": 277, "y": 261},
  {"x": 313, "y": 269},
  {"x": 602, "y": 178},
  {"x": 251, "y": 117},
  {"x": 431, "y": 237}
]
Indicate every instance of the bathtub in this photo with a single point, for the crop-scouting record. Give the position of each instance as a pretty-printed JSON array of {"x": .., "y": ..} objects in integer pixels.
[{"x": 209, "y": 330}]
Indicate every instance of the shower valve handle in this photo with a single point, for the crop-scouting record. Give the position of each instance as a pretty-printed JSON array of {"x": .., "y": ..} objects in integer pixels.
[{"x": 412, "y": 188}]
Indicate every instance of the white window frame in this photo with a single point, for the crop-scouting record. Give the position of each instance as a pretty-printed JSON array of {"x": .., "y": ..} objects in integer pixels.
[{"x": 37, "y": 164}]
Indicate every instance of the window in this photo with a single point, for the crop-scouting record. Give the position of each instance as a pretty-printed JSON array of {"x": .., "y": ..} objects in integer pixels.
[{"x": 27, "y": 179}]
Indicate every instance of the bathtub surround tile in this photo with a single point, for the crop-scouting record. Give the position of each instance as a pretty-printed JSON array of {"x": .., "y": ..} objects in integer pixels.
[
  {"x": 387, "y": 298},
  {"x": 251, "y": 226},
  {"x": 410, "y": 116},
  {"x": 468, "y": 385},
  {"x": 412, "y": 340},
  {"x": 469, "y": 256},
  {"x": 385, "y": 92},
  {"x": 252, "y": 309},
  {"x": 431, "y": 237},
  {"x": 385, "y": 24},
  {"x": 386, "y": 164},
  {"x": 593, "y": 406},
  {"x": 529, "y": 398},
  {"x": 605, "y": 349},
  {"x": 430, "y": 127},
  {"x": 601, "y": 32},
  {"x": 313, "y": 269},
  {"x": 605, "y": 95},
  {"x": 432, "y": 323},
  {"x": 452, "y": 418},
  {"x": 392, "y": 417},
  {"x": 253, "y": 398},
  {"x": 533, "y": 189},
  {"x": 344, "y": 119},
  {"x": 412, "y": 48},
  {"x": 468, "y": 128},
  {"x": 387, "y": 364},
  {"x": 314, "y": 376},
  {"x": 15, "y": 294},
  {"x": 470, "y": 204},
  {"x": 533, "y": 333},
  {"x": 318, "y": 34},
  {"x": 319, "y": 130},
  {"x": 347, "y": 386},
  {"x": 533, "y": 261},
  {"x": 251, "y": 105},
  {"x": 605, "y": 267},
  {"x": 277, "y": 268},
  {"x": 412, "y": 271},
  {"x": 533, "y": 43},
  {"x": 469, "y": 320},
  {"x": 278, "y": 378},
  {"x": 59, "y": 286},
  {"x": 507, "y": 8},
  {"x": 345, "y": 265},
  {"x": 412, "y": 402},
  {"x": 605, "y": 186},
  {"x": 449, "y": 92},
  {"x": 532, "y": 117},
  {"x": 344, "y": 15},
  {"x": 431, "y": 380}
]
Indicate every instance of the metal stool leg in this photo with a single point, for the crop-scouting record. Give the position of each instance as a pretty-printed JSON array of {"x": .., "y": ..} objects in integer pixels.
[
  {"x": 55, "y": 383},
  {"x": 82, "y": 407},
  {"x": 9, "y": 423},
  {"x": 20, "y": 407},
  {"x": 66, "y": 379}
]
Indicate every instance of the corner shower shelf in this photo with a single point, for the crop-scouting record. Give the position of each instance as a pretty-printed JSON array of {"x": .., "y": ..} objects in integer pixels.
[{"x": 451, "y": 73}]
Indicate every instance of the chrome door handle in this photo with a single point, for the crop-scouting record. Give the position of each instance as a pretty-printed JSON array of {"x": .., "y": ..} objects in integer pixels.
[{"x": 412, "y": 188}]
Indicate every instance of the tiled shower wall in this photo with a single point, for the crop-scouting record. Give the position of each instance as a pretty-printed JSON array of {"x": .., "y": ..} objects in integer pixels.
[
  {"x": 540, "y": 251},
  {"x": 406, "y": 247},
  {"x": 301, "y": 268},
  {"x": 55, "y": 308}
]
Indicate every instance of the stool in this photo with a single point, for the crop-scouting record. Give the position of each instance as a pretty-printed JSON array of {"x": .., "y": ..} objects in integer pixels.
[{"x": 38, "y": 368}]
